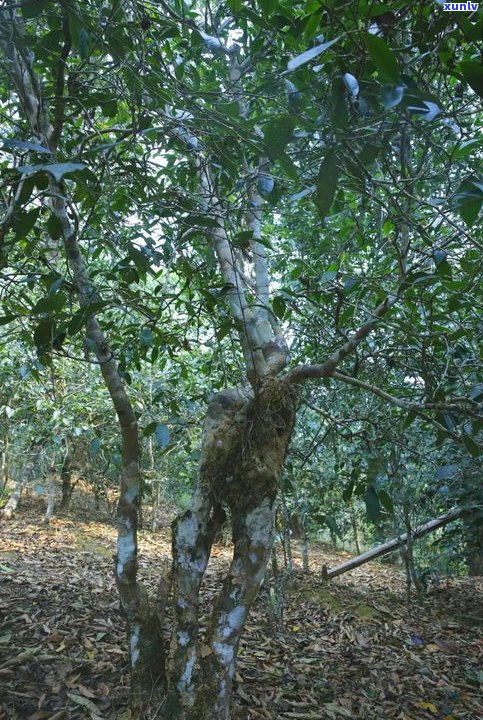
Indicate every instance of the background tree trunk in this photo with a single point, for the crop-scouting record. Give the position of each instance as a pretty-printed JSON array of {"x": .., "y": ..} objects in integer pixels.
[
  {"x": 66, "y": 477},
  {"x": 4, "y": 462},
  {"x": 14, "y": 499},
  {"x": 475, "y": 555}
]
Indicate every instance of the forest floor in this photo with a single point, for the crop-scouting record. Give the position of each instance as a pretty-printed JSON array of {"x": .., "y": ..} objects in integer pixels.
[{"x": 353, "y": 648}]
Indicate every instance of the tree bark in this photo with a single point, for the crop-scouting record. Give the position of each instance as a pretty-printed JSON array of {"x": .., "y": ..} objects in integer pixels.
[
  {"x": 14, "y": 499},
  {"x": 355, "y": 531},
  {"x": 28, "y": 471},
  {"x": 66, "y": 478},
  {"x": 145, "y": 645},
  {"x": 245, "y": 438},
  {"x": 475, "y": 551},
  {"x": 286, "y": 537},
  {"x": 4, "y": 462},
  {"x": 49, "y": 511}
]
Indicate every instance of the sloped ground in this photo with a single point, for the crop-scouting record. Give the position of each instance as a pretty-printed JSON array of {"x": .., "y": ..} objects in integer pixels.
[{"x": 350, "y": 649}]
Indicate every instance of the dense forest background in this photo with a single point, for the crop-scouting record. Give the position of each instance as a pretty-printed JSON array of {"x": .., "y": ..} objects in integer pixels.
[{"x": 240, "y": 278}]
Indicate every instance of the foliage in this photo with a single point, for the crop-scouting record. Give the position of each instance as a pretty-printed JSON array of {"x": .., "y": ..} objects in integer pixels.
[{"x": 190, "y": 190}]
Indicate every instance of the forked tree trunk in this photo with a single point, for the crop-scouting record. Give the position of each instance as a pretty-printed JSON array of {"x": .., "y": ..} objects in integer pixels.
[{"x": 245, "y": 440}]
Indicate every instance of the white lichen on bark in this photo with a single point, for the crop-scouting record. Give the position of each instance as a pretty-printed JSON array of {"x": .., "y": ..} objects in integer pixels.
[
  {"x": 225, "y": 652},
  {"x": 126, "y": 549},
  {"x": 184, "y": 683},
  {"x": 183, "y": 638},
  {"x": 186, "y": 532},
  {"x": 134, "y": 644},
  {"x": 236, "y": 617},
  {"x": 259, "y": 524}
]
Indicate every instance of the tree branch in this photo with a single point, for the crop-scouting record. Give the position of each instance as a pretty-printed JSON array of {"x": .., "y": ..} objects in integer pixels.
[
  {"x": 458, "y": 405},
  {"x": 308, "y": 372}
]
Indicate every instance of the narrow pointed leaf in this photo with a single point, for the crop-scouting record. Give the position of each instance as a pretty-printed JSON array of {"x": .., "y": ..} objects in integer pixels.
[
  {"x": 25, "y": 145},
  {"x": 327, "y": 183},
  {"x": 309, "y": 55},
  {"x": 383, "y": 58}
]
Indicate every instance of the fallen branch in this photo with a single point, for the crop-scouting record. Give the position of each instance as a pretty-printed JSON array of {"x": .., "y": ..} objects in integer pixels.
[{"x": 391, "y": 545}]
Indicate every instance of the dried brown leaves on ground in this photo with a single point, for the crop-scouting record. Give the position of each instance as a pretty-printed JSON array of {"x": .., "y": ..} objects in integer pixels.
[{"x": 353, "y": 648}]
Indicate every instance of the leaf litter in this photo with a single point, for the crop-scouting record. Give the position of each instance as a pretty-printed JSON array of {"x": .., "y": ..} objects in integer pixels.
[{"x": 350, "y": 648}]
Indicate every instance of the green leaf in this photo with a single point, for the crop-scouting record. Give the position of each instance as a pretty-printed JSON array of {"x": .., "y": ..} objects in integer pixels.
[
  {"x": 277, "y": 133},
  {"x": 383, "y": 58},
  {"x": 81, "y": 315},
  {"x": 309, "y": 55},
  {"x": 410, "y": 418},
  {"x": 33, "y": 8},
  {"x": 162, "y": 436},
  {"x": 279, "y": 307},
  {"x": 373, "y": 507},
  {"x": 386, "y": 501},
  {"x": 474, "y": 449},
  {"x": 24, "y": 222},
  {"x": 150, "y": 428},
  {"x": 391, "y": 96},
  {"x": 54, "y": 227},
  {"x": 43, "y": 335},
  {"x": 472, "y": 71},
  {"x": 146, "y": 337},
  {"x": 369, "y": 153},
  {"x": 57, "y": 170},
  {"x": 24, "y": 146},
  {"x": 265, "y": 241},
  {"x": 348, "y": 490},
  {"x": 468, "y": 200},
  {"x": 231, "y": 109},
  {"x": 268, "y": 6},
  {"x": 49, "y": 304},
  {"x": 243, "y": 238},
  {"x": 140, "y": 260},
  {"x": 83, "y": 43},
  {"x": 327, "y": 180},
  {"x": 332, "y": 525},
  {"x": 94, "y": 446},
  {"x": 446, "y": 471}
]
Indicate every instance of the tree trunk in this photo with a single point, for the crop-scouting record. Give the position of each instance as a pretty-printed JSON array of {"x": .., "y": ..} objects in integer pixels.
[
  {"x": 27, "y": 474},
  {"x": 4, "y": 462},
  {"x": 355, "y": 531},
  {"x": 475, "y": 551},
  {"x": 50, "y": 497},
  {"x": 14, "y": 498},
  {"x": 475, "y": 564},
  {"x": 66, "y": 477},
  {"x": 304, "y": 541},
  {"x": 245, "y": 439},
  {"x": 286, "y": 537}
]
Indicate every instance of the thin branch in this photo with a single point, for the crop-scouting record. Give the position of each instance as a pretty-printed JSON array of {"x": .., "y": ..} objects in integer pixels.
[{"x": 459, "y": 404}]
